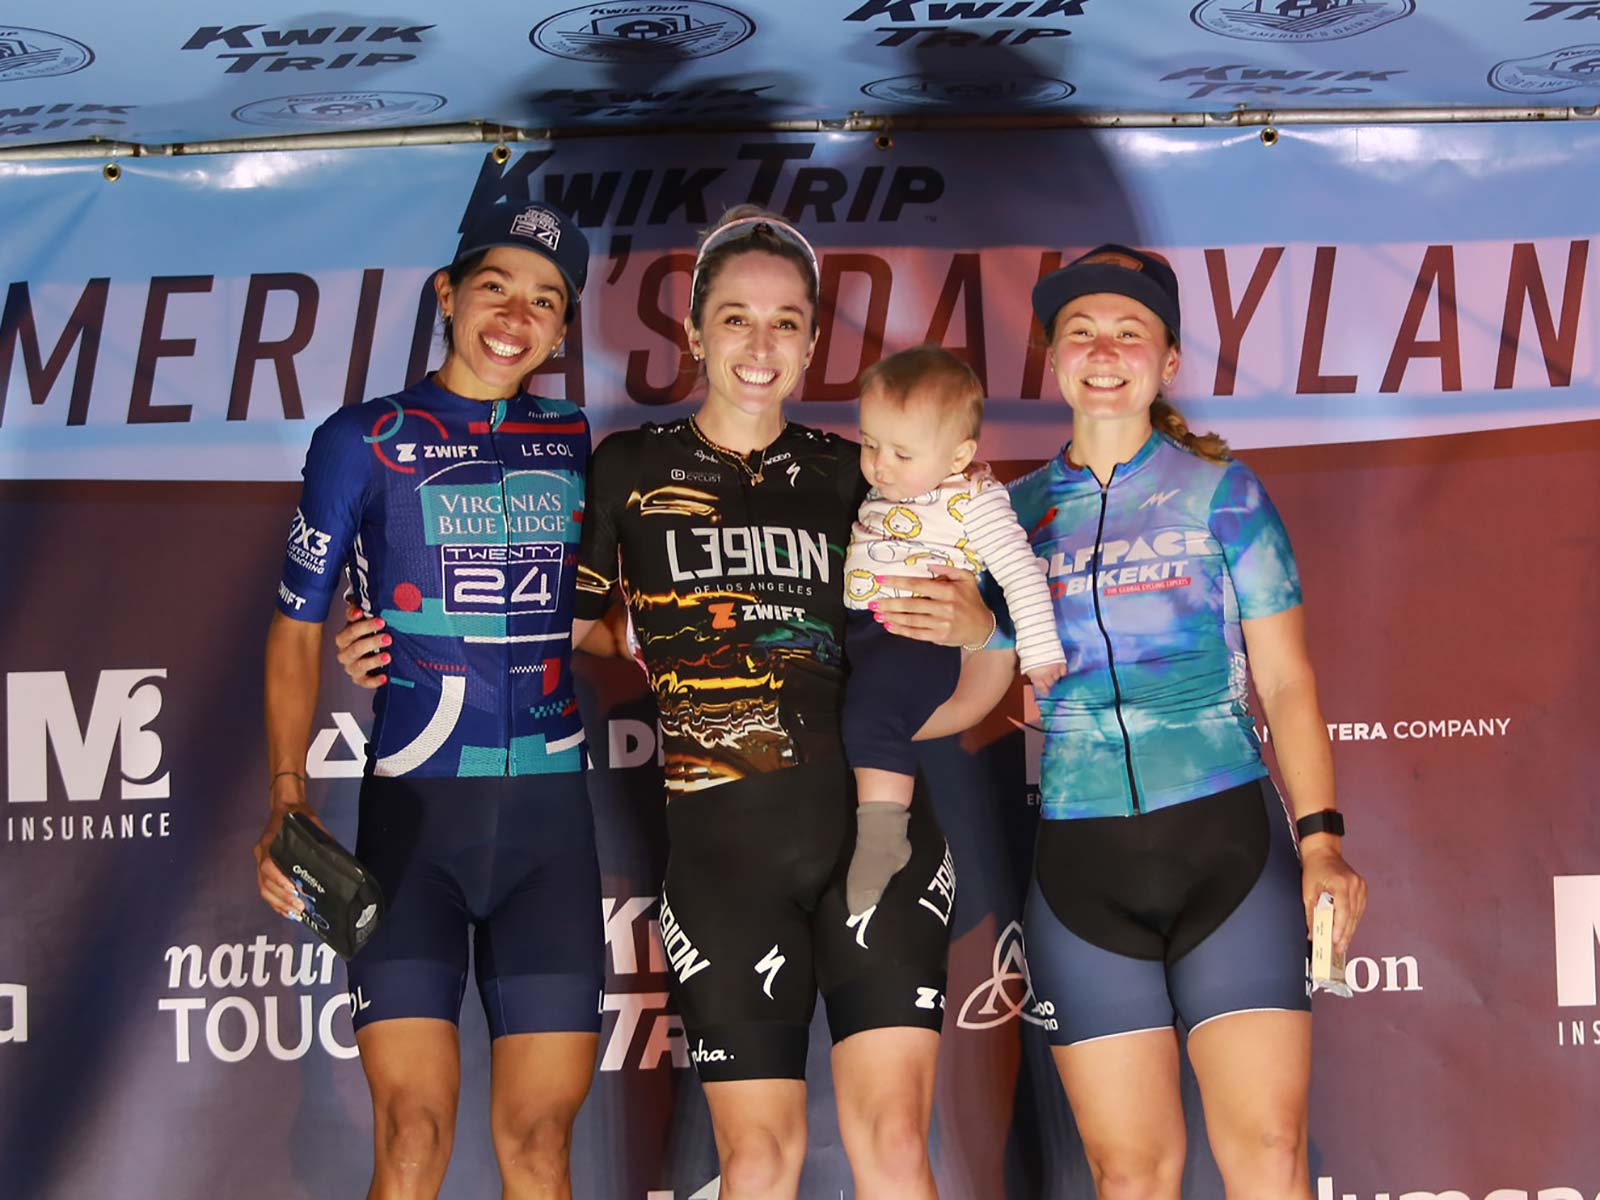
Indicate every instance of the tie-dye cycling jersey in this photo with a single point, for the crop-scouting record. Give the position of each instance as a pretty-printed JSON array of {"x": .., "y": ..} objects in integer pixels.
[{"x": 1150, "y": 577}]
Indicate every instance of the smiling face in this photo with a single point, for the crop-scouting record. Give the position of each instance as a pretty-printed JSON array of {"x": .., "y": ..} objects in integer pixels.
[
  {"x": 758, "y": 333},
  {"x": 1111, "y": 356},
  {"x": 507, "y": 315},
  {"x": 910, "y": 445}
]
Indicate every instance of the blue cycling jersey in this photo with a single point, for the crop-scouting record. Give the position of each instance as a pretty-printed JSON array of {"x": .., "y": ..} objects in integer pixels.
[
  {"x": 458, "y": 522},
  {"x": 1150, "y": 577}
]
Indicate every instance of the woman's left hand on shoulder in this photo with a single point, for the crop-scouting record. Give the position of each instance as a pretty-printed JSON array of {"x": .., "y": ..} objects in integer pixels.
[
  {"x": 1323, "y": 869},
  {"x": 946, "y": 608}
]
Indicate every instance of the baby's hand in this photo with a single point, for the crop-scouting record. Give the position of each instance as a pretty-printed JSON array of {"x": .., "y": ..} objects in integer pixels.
[{"x": 1045, "y": 677}]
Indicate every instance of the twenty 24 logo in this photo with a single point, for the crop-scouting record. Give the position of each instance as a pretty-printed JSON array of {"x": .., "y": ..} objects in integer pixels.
[{"x": 41, "y": 717}]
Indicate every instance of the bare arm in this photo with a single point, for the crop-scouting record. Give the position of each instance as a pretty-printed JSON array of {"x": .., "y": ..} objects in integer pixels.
[
  {"x": 291, "y": 697},
  {"x": 1284, "y": 680},
  {"x": 986, "y": 676}
]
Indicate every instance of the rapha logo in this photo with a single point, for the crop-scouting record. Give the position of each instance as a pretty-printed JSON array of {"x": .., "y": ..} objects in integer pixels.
[
  {"x": 30, "y": 53},
  {"x": 41, "y": 717},
  {"x": 636, "y": 33},
  {"x": 538, "y": 223},
  {"x": 1007, "y": 993},
  {"x": 343, "y": 110},
  {"x": 968, "y": 90},
  {"x": 1297, "y": 20},
  {"x": 1555, "y": 71}
]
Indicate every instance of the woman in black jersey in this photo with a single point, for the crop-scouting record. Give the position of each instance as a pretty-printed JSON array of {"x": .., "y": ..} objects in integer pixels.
[{"x": 726, "y": 532}]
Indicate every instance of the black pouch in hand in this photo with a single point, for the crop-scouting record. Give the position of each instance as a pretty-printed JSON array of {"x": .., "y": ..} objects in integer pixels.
[{"x": 343, "y": 901}]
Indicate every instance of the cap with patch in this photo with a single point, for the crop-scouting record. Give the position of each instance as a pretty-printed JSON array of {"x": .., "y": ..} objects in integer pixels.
[
  {"x": 538, "y": 227},
  {"x": 1120, "y": 270}
]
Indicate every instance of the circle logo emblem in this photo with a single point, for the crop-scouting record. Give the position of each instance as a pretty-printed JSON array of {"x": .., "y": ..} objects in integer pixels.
[
  {"x": 641, "y": 33},
  {"x": 969, "y": 91},
  {"x": 31, "y": 53},
  {"x": 1541, "y": 74},
  {"x": 1297, "y": 20},
  {"x": 343, "y": 110}
]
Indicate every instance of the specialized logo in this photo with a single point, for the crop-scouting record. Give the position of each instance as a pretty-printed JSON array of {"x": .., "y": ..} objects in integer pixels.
[
  {"x": 958, "y": 90},
  {"x": 15, "y": 1027},
  {"x": 343, "y": 110},
  {"x": 31, "y": 53},
  {"x": 858, "y": 922},
  {"x": 40, "y": 717},
  {"x": 1297, "y": 20},
  {"x": 1007, "y": 993},
  {"x": 771, "y": 963},
  {"x": 637, "y": 33},
  {"x": 538, "y": 223},
  {"x": 1554, "y": 71},
  {"x": 793, "y": 472}
]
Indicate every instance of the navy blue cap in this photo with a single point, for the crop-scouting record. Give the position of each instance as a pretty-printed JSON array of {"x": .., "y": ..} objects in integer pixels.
[
  {"x": 1120, "y": 270},
  {"x": 538, "y": 227}
]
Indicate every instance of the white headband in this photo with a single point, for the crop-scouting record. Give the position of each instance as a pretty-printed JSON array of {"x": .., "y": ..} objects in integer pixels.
[{"x": 780, "y": 228}]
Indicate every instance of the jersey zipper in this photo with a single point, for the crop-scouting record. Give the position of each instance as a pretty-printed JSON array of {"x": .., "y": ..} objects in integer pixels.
[
  {"x": 1111, "y": 658},
  {"x": 495, "y": 413}
]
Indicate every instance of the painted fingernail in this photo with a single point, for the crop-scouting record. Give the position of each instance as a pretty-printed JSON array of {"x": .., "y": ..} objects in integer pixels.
[
  {"x": 877, "y": 578},
  {"x": 872, "y": 605},
  {"x": 878, "y": 617},
  {"x": 382, "y": 624},
  {"x": 384, "y": 659},
  {"x": 387, "y": 640},
  {"x": 887, "y": 625}
]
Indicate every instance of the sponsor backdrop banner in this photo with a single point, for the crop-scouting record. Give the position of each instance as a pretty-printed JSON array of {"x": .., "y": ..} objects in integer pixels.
[
  {"x": 1396, "y": 325},
  {"x": 190, "y": 70}
]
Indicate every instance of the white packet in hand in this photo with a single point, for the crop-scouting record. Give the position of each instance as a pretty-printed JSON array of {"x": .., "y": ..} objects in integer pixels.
[{"x": 1327, "y": 960}]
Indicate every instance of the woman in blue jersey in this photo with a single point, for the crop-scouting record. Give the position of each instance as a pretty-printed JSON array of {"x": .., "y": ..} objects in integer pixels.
[
  {"x": 456, "y": 506},
  {"x": 1167, "y": 889},
  {"x": 726, "y": 532}
]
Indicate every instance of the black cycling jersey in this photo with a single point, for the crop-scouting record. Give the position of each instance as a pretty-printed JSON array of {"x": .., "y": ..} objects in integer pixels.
[{"x": 732, "y": 568}]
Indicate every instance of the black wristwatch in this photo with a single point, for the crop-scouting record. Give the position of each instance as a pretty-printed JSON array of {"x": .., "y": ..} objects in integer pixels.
[{"x": 1329, "y": 820}]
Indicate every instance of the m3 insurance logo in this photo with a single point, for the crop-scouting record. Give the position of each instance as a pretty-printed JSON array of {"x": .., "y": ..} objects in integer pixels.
[
  {"x": 32, "y": 53},
  {"x": 1577, "y": 927},
  {"x": 43, "y": 723},
  {"x": 1297, "y": 20},
  {"x": 639, "y": 33}
]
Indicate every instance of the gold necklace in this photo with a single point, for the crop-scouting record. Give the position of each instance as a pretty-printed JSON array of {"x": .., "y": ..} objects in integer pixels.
[{"x": 740, "y": 460}]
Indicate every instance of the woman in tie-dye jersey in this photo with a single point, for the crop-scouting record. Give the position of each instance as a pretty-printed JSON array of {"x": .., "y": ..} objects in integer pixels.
[{"x": 1167, "y": 888}]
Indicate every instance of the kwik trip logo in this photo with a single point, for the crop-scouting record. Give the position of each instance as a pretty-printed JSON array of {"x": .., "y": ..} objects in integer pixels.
[
  {"x": 45, "y": 724},
  {"x": 1297, "y": 20},
  {"x": 1577, "y": 921},
  {"x": 638, "y": 1032}
]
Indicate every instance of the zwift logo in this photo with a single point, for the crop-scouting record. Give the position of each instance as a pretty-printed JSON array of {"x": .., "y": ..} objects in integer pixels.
[
  {"x": 637, "y": 33},
  {"x": 31, "y": 53},
  {"x": 1297, "y": 20}
]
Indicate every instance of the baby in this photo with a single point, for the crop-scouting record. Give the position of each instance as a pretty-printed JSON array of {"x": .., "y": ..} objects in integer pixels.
[{"x": 920, "y": 414}]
